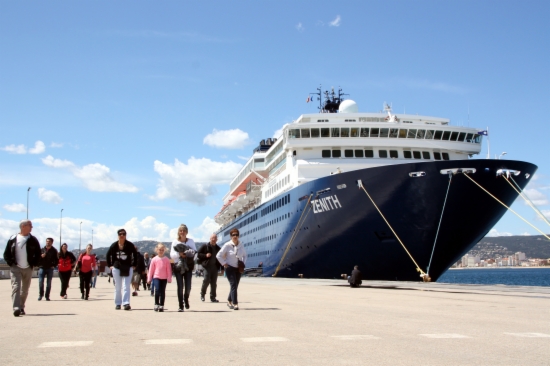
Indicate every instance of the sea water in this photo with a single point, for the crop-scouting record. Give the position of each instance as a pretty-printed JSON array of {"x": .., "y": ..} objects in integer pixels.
[{"x": 534, "y": 276}]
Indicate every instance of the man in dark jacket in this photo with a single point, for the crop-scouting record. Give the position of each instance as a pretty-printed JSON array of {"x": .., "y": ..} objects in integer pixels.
[
  {"x": 22, "y": 253},
  {"x": 122, "y": 259},
  {"x": 48, "y": 261},
  {"x": 207, "y": 258},
  {"x": 355, "y": 279}
]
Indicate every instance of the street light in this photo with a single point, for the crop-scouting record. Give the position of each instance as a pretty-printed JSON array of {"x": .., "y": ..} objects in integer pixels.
[
  {"x": 80, "y": 244},
  {"x": 28, "y": 202},
  {"x": 60, "y": 225},
  {"x": 501, "y": 155}
]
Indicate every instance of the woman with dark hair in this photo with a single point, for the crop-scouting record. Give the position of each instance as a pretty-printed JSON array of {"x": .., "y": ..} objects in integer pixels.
[
  {"x": 182, "y": 253},
  {"x": 87, "y": 263},
  {"x": 229, "y": 256},
  {"x": 65, "y": 267}
]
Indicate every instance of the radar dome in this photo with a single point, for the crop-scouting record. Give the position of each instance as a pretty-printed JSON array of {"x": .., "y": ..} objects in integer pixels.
[{"x": 348, "y": 106}]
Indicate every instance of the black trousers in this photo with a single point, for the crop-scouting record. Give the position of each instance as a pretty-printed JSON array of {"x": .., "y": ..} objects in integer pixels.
[
  {"x": 144, "y": 280},
  {"x": 85, "y": 279},
  {"x": 64, "y": 277},
  {"x": 234, "y": 277},
  {"x": 183, "y": 282},
  {"x": 210, "y": 278}
]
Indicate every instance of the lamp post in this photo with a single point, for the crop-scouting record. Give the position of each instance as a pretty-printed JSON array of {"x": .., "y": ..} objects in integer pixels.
[
  {"x": 60, "y": 225},
  {"x": 501, "y": 155},
  {"x": 80, "y": 243},
  {"x": 28, "y": 202}
]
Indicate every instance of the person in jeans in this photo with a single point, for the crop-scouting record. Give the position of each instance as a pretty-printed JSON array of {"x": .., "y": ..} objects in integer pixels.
[
  {"x": 22, "y": 253},
  {"x": 122, "y": 259},
  {"x": 160, "y": 274},
  {"x": 66, "y": 261},
  {"x": 207, "y": 258},
  {"x": 147, "y": 262},
  {"x": 87, "y": 264},
  {"x": 184, "y": 248},
  {"x": 48, "y": 261},
  {"x": 229, "y": 257}
]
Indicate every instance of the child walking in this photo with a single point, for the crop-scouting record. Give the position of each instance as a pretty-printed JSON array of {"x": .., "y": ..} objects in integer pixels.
[{"x": 160, "y": 272}]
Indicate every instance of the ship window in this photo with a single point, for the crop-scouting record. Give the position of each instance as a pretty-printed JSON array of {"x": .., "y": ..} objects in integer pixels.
[
  {"x": 469, "y": 137},
  {"x": 359, "y": 153},
  {"x": 394, "y": 154},
  {"x": 305, "y": 132},
  {"x": 336, "y": 153},
  {"x": 437, "y": 135},
  {"x": 294, "y": 134},
  {"x": 335, "y": 132},
  {"x": 416, "y": 155},
  {"x": 407, "y": 154},
  {"x": 325, "y": 153},
  {"x": 384, "y": 132},
  {"x": 383, "y": 153},
  {"x": 314, "y": 132},
  {"x": 364, "y": 132},
  {"x": 374, "y": 132},
  {"x": 445, "y": 156},
  {"x": 426, "y": 155},
  {"x": 348, "y": 153},
  {"x": 429, "y": 134},
  {"x": 412, "y": 133},
  {"x": 446, "y": 135},
  {"x": 420, "y": 134},
  {"x": 394, "y": 132},
  {"x": 369, "y": 154},
  {"x": 354, "y": 132},
  {"x": 461, "y": 136},
  {"x": 454, "y": 136},
  {"x": 477, "y": 139},
  {"x": 402, "y": 133},
  {"x": 325, "y": 132},
  {"x": 345, "y": 132}
]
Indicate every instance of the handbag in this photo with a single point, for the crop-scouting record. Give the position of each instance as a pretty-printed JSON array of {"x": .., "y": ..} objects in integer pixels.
[{"x": 240, "y": 264}]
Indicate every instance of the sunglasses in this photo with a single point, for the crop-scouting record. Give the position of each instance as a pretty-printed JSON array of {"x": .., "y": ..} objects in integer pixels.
[
  {"x": 234, "y": 234},
  {"x": 121, "y": 234}
]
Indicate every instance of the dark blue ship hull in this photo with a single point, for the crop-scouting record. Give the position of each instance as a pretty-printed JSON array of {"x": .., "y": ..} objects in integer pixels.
[{"x": 341, "y": 228}]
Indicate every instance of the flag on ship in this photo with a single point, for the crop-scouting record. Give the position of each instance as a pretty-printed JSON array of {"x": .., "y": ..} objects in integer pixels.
[
  {"x": 308, "y": 99},
  {"x": 483, "y": 133}
]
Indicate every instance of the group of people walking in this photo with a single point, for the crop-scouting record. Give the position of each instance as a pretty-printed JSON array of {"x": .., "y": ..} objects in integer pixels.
[{"x": 23, "y": 253}]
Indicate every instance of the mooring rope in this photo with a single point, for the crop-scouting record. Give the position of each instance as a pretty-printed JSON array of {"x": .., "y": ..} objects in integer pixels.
[
  {"x": 439, "y": 225},
  {"x": 294, "y": 234},
  {"x": 527, "y": 199},
  {"x": 394, "y": 233},
  {"x": 502, "y": 203}
]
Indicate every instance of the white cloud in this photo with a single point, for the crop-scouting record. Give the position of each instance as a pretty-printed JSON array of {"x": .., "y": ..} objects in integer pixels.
[
  {"x": 204, "y": 230},
  {"x": 538, "y": 198},
  {"x": 56, "y": 145},
  {"x": 7, "y": 229},
  {"x": 15, "y": 207},
  {"x": 15, "y": 149},
  {"x": 194, "y": 181},
  {"x": 227, "y": 139},
  {"x": 49, "y": 196},
  {"x": 335, "y": 22},
  {"x": 95, "y": 177},
  {"x": 243, "y": 157},
  {"x": 300, "y": 27},
  {"x": 494, "y": 232},
  {"x": 38, "y": 148}
]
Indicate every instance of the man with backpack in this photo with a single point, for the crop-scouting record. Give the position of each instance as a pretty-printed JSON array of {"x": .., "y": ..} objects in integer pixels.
[{"x": 22, "y": 253}]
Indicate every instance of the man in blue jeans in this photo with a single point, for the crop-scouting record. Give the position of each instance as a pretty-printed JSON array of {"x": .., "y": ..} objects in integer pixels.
[{"x": 48, "y": 261}]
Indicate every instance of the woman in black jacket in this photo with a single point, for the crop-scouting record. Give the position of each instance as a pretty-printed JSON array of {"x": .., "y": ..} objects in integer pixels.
[{"x": 122, "y": 259}]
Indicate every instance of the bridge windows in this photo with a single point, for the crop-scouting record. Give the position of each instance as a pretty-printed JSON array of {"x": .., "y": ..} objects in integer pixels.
[
  {"x": 314, "y": 133},
  {"x": 437, "y": 155},
  {"x": 382, "y": 153},
  {"x": 394, "y": 154}
]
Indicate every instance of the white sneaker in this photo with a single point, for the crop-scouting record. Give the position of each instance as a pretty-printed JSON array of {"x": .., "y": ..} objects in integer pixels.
[
  {"x": 161, "y": 309},
  {"x": 156, "y": 308}
]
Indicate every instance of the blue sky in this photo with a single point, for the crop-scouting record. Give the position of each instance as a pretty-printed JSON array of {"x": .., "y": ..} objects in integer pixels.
[{"x": 137, "y": 114}]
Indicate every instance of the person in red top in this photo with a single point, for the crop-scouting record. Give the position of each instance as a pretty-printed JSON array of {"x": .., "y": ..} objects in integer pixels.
[
  {"x": 65, "y": 267},
  {"x": 86, "y": 262}
]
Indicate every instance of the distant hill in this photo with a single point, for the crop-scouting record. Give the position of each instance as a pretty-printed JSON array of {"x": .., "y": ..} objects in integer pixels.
[
  {"x": 536, "y": 246},
  {"x": 142, "y": 246}
]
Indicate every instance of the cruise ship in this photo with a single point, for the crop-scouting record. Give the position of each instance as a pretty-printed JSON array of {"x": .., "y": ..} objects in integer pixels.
[{"x": 401, "y": 196}]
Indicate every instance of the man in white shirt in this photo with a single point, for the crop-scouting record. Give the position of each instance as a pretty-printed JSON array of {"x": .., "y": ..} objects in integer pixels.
[{"x": 22, "y": 253}]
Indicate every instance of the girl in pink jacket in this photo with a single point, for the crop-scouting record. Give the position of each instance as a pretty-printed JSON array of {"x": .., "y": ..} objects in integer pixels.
[{"x": 160, "y": 272}]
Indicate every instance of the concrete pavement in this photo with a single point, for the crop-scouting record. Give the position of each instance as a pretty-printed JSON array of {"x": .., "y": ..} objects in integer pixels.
[{"x": 284, "y": 322}]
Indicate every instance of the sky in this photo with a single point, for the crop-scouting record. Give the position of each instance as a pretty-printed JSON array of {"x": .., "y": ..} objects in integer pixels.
[{"x": 137, "y": 114}]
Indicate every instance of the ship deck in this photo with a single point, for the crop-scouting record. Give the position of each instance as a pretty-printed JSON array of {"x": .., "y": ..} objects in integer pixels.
[{"x": 285, "y": 322}]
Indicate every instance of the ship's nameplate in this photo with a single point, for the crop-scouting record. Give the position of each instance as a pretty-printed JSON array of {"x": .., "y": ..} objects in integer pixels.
[{"x": 325, "y": 204}]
